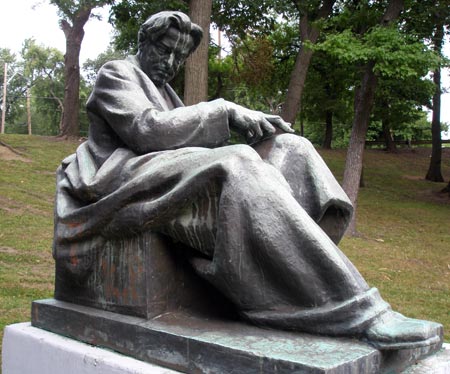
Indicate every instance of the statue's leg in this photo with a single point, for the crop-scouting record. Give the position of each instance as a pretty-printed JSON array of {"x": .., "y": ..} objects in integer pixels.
[
  {"x": 312, "y": 183},
  {"x": 271, "y": 259}
]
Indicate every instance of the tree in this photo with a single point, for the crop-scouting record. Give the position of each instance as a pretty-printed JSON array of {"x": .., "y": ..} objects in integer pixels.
[
  {"x": 43, "y": 68},
  {"x": 10, "y": 106},
  {"x": 364, "y": 98},
  {"x": 196, "y": 70},
  {"x": 371, "y": 37},
  {"x": 309, "y": 33},
  {"x": 441, "y": 20},
  {"x": 220, "y": 73},
  {"x": 398, "y": 105},
  {"x": 240, "y": 17},
  {"x": 263, "y": 56},
  {"x": 36, "y": 77},
  {"x": 92, "y": 66},
  {"x": 434, "y": 173},
  {"x": 446, "y": 189},
  {"x": 430, "y": 19},
  {"x": 326, "y": 102},
  {"x": 74, "y": 14}
]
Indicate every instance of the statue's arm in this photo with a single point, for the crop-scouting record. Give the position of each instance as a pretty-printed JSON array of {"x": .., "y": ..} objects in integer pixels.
[{"x": 119, "y": 98}]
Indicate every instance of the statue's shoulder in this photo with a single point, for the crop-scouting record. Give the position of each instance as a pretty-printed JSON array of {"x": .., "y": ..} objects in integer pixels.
[
  {"x": 121, "y": 67},
  {"x": 121, "y": 76}
]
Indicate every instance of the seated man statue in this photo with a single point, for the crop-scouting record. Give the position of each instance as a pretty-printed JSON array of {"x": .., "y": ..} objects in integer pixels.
[{"x": 263, "y": 218}]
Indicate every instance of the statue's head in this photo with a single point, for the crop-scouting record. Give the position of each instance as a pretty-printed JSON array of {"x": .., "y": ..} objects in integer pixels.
[{"x": 166, "y": 40}]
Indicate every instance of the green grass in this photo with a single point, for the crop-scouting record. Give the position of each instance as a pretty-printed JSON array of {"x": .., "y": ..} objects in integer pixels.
[
  {"x": 27, "y": 188},
  {"x": 403, "y": 246}
]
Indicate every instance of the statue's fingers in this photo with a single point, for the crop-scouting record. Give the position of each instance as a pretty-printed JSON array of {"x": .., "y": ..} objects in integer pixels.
[
  {"x": 280, "y": 123},
  {"x": 267, "y": 127},
  {"x": 254, "y": 133}
]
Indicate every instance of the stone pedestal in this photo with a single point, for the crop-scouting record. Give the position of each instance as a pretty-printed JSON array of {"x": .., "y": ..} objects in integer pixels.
[{"x": 198, "y": 344}]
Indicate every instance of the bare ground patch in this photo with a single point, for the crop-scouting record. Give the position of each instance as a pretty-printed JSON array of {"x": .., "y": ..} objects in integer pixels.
[
  {"x": 413, "y": 177},
  {"x": 9, "y": 250},
  {"x": 13, "y": 207},
  {"x": 8, "y": 155},
  {"x": 434, "y": 195}
]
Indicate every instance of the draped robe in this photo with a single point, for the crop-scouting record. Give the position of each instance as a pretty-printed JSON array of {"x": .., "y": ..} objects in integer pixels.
[{"x": 264, "y": 219}]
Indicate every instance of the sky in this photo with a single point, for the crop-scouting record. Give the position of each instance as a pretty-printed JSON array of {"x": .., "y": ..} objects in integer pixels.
[{"x": 21, "y": 19}]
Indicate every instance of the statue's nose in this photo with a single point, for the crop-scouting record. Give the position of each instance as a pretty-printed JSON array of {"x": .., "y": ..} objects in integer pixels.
[{"x": 171, "y": 59}]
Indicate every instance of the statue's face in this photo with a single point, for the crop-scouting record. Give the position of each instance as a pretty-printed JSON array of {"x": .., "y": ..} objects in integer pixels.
[{"x": 162, "y": 59}]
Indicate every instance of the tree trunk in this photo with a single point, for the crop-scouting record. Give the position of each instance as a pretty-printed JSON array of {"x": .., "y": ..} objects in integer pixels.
[
  {"x": 296, "y": 85},
  {"x": 196, "y": 71},
  {"x": 389, "y": 141},
  {"x": 364, "y": 98},
  {"x": 328, "y": 129},
  {"x": 298, "y": 75},
  {"x": 74, "y": 36},
  {"x": 434, "y": 171},
  {"x": 446, "y": 189},
  {"x": 363, "y": 103}
]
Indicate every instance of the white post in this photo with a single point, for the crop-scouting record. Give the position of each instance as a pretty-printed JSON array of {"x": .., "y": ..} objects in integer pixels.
[
  {"x": 29, "y": 110},
  {"x": 4, "y": 100}
]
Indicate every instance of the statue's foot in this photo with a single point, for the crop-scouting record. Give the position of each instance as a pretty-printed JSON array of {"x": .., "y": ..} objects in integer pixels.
[{"x": 395, "y": 331}]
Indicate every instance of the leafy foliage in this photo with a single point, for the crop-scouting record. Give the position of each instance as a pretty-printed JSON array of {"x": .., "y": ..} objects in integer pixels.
[
  {"x": 424, "y": 18},
  {"x": 41, "y": 69},
  {"x": 70, "y": 10},
  {"x": 92, "y": 66},
  {"x": 394, "y": 53},
  {"x": 44, "y": 68},
  {"x": 16, "y": 86}
]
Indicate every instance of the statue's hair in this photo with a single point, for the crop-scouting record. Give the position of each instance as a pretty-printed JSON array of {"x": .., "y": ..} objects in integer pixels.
[{"x": 158, "y": 24}]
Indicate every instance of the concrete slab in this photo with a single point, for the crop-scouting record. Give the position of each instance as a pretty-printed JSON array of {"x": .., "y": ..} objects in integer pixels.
[
  {"x": 29, "y": 350},
  {"x": 438, "y": 363}
]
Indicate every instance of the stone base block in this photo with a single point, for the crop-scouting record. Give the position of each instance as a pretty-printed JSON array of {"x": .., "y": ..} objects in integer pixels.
[
  {"x": 29, "y": 350},
  {"x": 143, "y": 275},
  {"x": 198, "y": 344}
]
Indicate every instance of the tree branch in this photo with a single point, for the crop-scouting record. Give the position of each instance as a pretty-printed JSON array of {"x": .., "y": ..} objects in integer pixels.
[
  {"x": 392, "y": 12},
  {"x": 66, "y": 27}
]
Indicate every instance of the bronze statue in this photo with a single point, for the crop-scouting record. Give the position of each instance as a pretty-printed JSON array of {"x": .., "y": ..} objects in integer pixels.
[{"x": 263, "y": 218}]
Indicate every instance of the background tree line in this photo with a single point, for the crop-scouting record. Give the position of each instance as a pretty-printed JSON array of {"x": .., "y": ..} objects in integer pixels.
[
  {"x": 342, "y": 71},
  {"x": 37, "y": 73}
]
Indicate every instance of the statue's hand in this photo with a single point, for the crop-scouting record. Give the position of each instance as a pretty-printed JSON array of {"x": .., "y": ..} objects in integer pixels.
[{"x": 255, "y": 125}]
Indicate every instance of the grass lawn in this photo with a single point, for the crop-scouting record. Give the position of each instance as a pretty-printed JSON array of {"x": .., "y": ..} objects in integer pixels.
[{"x": 403, "y": 247}]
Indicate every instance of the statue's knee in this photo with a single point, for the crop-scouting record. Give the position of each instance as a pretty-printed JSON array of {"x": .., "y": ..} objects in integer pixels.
[
  {"x": 244, "y": 163},
  {"x": 294, "y": 144},
  {"x": 292, "y": 140},
  {"x": 243, "y": 153}
]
